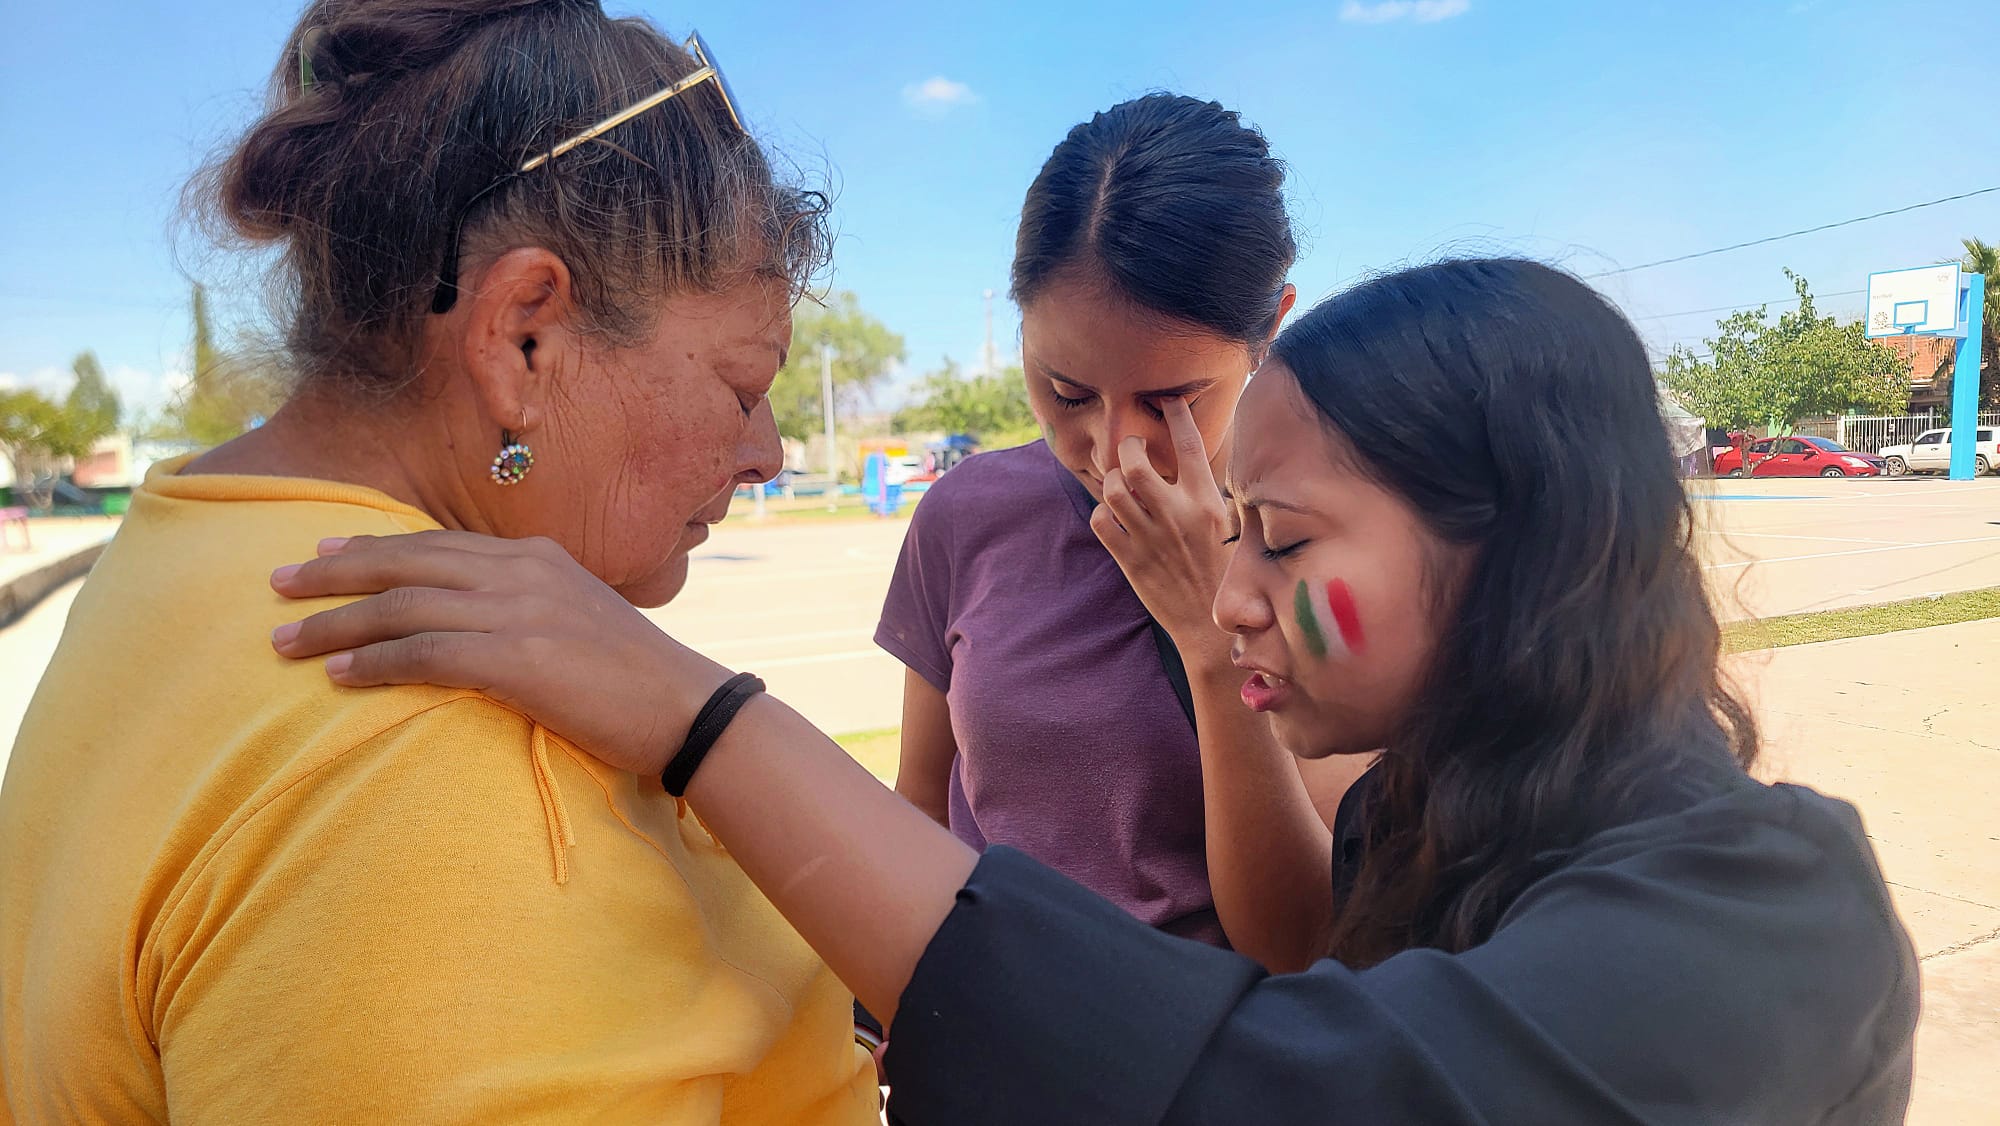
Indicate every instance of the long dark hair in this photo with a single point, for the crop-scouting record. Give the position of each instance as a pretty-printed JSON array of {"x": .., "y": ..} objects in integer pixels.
[
  {"x": 1175, "y": 205},
  {"x": 1514, "y": 409}
]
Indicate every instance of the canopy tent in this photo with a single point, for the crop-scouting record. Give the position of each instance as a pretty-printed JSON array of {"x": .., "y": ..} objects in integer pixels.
[{"x": 1685, "y": 432}]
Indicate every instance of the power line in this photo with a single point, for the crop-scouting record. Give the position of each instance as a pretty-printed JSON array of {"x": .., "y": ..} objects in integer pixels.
[
  {"x": 1745, "y": 305},
  {"x": 1792, "y": 234},
  {"x": 88, "y": 301}
]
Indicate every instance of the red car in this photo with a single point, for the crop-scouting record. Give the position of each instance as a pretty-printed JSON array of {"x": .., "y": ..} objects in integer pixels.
[{"x": 1797, "y": 457}]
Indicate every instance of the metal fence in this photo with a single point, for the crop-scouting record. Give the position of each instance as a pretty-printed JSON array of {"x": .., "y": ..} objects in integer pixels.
[{"x": 1869, "y": 434}]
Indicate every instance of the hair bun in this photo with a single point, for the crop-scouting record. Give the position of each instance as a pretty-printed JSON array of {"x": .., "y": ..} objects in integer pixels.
[{"x": 346, "y": 42}]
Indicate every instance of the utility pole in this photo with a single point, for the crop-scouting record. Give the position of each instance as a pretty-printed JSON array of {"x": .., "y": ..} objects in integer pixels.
[
  {"x": 988, "y": 367},
  {"x": 826, "y": 401}
]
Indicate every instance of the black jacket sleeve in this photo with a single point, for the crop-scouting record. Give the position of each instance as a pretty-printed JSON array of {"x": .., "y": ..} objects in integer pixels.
[{"x": 1734, "y": 962}]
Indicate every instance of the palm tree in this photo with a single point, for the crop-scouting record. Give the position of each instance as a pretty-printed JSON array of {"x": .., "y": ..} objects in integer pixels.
[{"x": 1983, "y": 257}]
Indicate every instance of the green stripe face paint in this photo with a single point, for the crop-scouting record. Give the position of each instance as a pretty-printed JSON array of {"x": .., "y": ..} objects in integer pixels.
[
  {"x": 1327, "y": 616},
  {"x": 1309, "y": 627}
]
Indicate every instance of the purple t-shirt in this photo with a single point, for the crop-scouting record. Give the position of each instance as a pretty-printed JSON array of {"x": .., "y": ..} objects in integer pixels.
[{"x": 1072, "y": 746}]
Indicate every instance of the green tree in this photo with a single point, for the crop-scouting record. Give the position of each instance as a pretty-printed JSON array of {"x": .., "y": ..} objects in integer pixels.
[
  {"x": 40, "y": 435},
  {"x": 32, "y": 433},
  {"x": 863, "y": 349},
  {"x": 227, "y": 392},
  {"x": 1983, "y": 258},
  {"x": 1761, "y": 373},
  {"x": 92, "y": 403},
  {"x": 991, "y": 408}
]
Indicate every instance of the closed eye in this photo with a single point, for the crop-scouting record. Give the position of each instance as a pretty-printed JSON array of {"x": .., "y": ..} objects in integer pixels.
[
  {"x": 1065, "y": 401},
  {"x": 1276, "y": 553},
  {"x": 1153, "y": 406}
]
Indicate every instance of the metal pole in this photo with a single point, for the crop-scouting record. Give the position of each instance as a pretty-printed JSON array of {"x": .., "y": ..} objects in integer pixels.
[
  {"x": 826, "y": 402},
  {"x": 1965, "y": 383},
  {"x": 987, "y": 366}
]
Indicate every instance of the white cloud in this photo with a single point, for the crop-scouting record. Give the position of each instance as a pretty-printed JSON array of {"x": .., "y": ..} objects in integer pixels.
[
  {"x": 1390, "y": 11},
  {"x": 48, "y": 380},
  {"x": 141, "y": 390},
  {"x": 935, "y": 97}
]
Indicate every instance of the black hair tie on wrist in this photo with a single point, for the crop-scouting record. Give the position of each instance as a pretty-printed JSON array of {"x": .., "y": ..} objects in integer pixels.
[{"x": 709, "y": 724}]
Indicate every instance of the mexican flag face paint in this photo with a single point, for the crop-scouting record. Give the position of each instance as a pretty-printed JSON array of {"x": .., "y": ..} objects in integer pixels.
[{"x": 1328, "y": 620}]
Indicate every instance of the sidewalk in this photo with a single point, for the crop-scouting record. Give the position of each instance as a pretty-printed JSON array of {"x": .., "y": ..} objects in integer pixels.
[
  {"x": 1904, "y": 725},
  {"x": 54, "y": 538}
]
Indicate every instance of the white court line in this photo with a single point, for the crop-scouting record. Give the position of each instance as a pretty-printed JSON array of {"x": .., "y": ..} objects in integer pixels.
[
  {"x": 695, "y": 615},
  {"x": 786, "y": 638},
  {"x": 1856, "y": 551},
  {"x": 708, "y": 580},
  {"x": 1968, "y": 506},
  {"x": 819, "y": 658},
  {"x": 1789, "y": 536},
  {"x": 1855, "y": 496}
]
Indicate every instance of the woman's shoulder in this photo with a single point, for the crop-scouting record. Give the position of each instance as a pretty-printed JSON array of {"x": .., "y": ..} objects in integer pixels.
[
  {"x": 1726, "y": 806},
  {"x": 1757, "y": 856},
  {"x": 1001, "y": 480}
]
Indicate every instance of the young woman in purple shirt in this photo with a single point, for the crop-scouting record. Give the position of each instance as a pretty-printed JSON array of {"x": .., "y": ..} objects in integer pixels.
[{"x": 1038, "y": 710}]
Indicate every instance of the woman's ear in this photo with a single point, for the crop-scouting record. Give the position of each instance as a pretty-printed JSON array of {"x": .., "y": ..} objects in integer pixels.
[
  {"x": 1286, "y": 300},
  {"x": 515, "y": 328}
]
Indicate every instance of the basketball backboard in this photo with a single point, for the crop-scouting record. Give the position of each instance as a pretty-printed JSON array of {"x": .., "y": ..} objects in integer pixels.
[{"x": 1923, "y": 300}]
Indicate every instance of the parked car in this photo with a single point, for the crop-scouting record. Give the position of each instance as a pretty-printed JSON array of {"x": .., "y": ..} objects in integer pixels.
[
  {"x": 903, "y": 469},
  {"x": 1793, "y": 456},
  {"x": 776, "y": 487},
  {"x": 1931, "y": 453}
]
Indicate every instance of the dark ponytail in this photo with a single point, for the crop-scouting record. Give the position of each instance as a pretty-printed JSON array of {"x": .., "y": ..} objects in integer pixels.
[{"x": 1173, "y": 202}]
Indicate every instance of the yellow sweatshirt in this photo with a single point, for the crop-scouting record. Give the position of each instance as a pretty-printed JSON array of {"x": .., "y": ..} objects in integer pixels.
[{"x": 231, "y": 892}]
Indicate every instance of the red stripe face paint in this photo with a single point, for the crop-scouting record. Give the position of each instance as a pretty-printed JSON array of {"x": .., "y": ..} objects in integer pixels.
[
  {"x": 1328, "y": 618},
  {"x": 1340, "y": 601}
]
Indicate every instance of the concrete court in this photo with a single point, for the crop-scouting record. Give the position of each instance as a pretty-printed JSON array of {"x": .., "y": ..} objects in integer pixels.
[
  {"x": 52, "y": 540},
  {"x": 1905, "y": 726},
  {"x": 1794, "y": 546},
  {"x": 798, "y": 601}
]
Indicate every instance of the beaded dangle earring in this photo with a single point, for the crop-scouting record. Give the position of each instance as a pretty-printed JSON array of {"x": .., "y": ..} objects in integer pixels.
[{"x": 511, "y": 465}]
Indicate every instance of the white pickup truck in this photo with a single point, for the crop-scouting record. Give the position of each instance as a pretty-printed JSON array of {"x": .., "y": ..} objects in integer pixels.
[{"x": 1931, "y": 453}]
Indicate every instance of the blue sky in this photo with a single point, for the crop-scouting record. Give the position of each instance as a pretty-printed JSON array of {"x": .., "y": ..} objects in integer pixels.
[{"x": 1595, "y": 133}]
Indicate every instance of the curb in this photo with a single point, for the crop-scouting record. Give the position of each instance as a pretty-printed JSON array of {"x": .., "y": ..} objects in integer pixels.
[{"x": 25, "y": 593}]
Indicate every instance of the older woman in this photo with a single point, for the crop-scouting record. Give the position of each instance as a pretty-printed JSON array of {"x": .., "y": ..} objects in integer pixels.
[{"x": 236, "y": 893}]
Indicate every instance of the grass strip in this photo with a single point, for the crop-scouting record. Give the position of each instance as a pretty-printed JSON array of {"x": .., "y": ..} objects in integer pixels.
[
  {"x": 1861, "y": 621},
  {"x": 877, "y": 750},
  {"x": 880, "y": 749}
]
